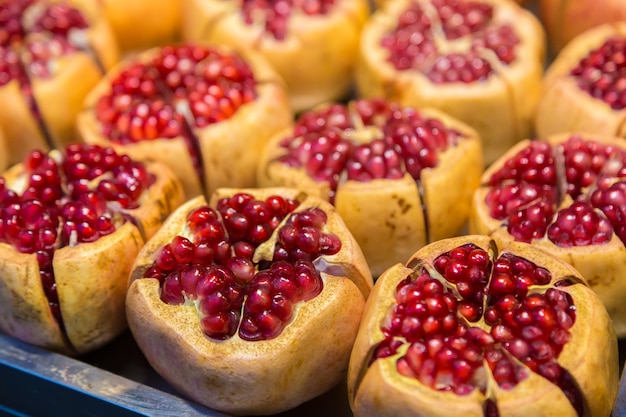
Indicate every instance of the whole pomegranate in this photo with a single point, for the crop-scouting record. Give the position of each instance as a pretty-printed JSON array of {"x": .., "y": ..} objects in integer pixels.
[
  {"x": 566, "y": 194},
  {"x": 204, "y": 111},
  {"x": 566, "y": 19},
  {"x": 471, "y": 328},
  {"x": 250, "y": 303},
  {"x": 585, "y": 86},
  {"x": 481, "y": 61},
  {"x": 143, "y": 24},
  {"x": 71, "y": 224},
  {"x": 399, "y": 177},
  {"x": 312, "y": 44},
  {"x": 51, "y": 54}
]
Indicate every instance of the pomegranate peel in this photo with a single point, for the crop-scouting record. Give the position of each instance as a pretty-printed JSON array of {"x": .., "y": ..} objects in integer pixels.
[
  {"x": 376, "y": 386},
  {"x": 564, "y": 106},
  {"x": 600, "y": 262},
  {"x": 422, "y": 203},
  {"x": 327, "y": 31},
  {"x": 417, "y": 73},
  {"x": 308, "y": 357},
  {"x": 44, "y": 287},
  {"x": 221, "y": 152},
  {"x": 31, "y": 114}
]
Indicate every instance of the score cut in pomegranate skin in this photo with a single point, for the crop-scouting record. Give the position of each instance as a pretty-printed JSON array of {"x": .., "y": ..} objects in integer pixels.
[
  {"x": 204, "y": 111},
  {"x": 312, "y": 44},
  {"x": 399, "y": 177},
  {"x": 585, "y": 85},
  {"x": 249, "y": 304},
  {"x": 71, "y": 223},
  {"x": 481, "y": 61},
  {"x": 470, "y": 328},
  {"x": 51, "y": 54},
  {"x": 566, "y": 194}
]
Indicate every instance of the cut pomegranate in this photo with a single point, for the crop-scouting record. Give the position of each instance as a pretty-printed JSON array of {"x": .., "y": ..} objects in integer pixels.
[
  {"x": 71, "y": 224},
  {"x": 479, "y": 61},
  {"x": 312, "y": 44},
  {"x": 51, "y": 54},
  {"x": 566, "y": 19},
  {"x": 142, "y": 24},
  {"x": 585, "y": 86},
  {"x": 566, "y": 194},
  {"x": 467, "y": 327},
  {"x": 398, "y": 176},
  {"x": 258, "y": 293},
  {"x": 206, "y": 112}
]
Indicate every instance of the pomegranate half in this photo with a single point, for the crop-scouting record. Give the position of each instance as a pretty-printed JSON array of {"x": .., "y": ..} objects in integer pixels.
[
  {"x": 71, "y": 224},
  {"x": 567, "y": 194},
  {"x": 471, "y": 328},
  {"x": 143, "y": 24},
  {"x": 585, "y": 86},
  {"x": 399, "y": 177},
  {"x": 204, "y": 111},
  {"x": 481, "y": 61},
  {"x": 566, "y": 19},
  {"x": 51, "y": 54},
  {"x": 249, "y": 304},
  {"x": 311, "y": 44}
]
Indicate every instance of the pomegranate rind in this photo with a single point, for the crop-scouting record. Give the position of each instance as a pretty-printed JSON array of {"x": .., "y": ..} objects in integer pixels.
[
  {"x": 59, "y": 97},
  {"x": 601, "y": 265},
  {"x": 24, "y": 310},
  {"x": 229, "y": 149},
  {"x": 143, "y": 24},
  {"x": 240, "y": 377},
  {"x": 378, "y": 390},
  {"x": 566, "y": 19},
  {"x": 509, "y": 95},
  {"x": 386, "y": 216},
  {"x": 330, "y": 38},
  {"x": 563, "y": 106}
]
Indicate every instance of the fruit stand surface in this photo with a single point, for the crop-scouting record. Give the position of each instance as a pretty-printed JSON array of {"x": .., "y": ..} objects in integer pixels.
[{"x": 118, "y": 381}]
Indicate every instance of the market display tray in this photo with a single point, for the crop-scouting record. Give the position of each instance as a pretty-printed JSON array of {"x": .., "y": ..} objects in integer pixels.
[{"x": 118, "y": 381}]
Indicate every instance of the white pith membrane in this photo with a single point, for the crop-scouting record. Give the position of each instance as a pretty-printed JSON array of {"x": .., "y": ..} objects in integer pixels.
[
  {"x": 145, "y": 103},
  {"x": 41, "y": 61},
  {"x": 583, "y": 88},
  {"x": 503, "y": 83},
  {"x": 400, "y": 177},
  {"x": 393, "y": 381},
  {"x": 576, "y": 212},
  {"x": 294, "y": 36},
  {"x": 91, "y": 230}
]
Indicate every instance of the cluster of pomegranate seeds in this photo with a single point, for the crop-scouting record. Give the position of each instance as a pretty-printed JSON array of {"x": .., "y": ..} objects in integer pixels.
[
  {"x": 68, "y": 198},
  {"x": 528, "y": 191},
  {"x": 215, "y": 269},
  {"x": 602, "y": 73},
  {"x": 366, "y": 140},
  {"x": 468, "y": 27},
  {"x": 522, "y": 328},
  {"x": 274, "y": 14}
]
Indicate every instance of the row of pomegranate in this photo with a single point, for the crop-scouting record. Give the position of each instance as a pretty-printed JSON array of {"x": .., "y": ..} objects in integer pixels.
[{"x": 258, "y": 257}]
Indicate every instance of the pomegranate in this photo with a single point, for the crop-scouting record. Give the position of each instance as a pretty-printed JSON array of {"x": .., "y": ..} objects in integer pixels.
[
  {"x": 143, "y": 24},
  {"x": 71, "y": 223},
  {"x": 250, "y": 303},
  {"x": 480, "y": 61},
  {"x": 204, "y": 111},
  {"x": 566, "y": 194},
  {"x": 585, "y": 86},
  {"x": 566, "y": 19},
  {"x": 51, "y": 54},
  {"x": 312, "y": 44},
  {"x": 398, "y": 176},
  {"x": 469, "y": 328}
]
